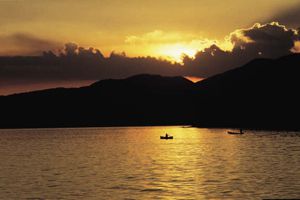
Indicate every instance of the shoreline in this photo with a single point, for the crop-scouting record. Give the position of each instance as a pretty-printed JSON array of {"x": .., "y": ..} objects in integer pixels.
[{"x": 152, "y": 125}]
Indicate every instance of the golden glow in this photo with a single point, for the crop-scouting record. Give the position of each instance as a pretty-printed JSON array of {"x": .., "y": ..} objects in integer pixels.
[
  {"x": 167, "y": 45},
  {"x": 157, "y": 28},
  {"x": 194, "y": 79},
  {"x": 176, "y": 52},
  {"x": 296, "y": 49}
]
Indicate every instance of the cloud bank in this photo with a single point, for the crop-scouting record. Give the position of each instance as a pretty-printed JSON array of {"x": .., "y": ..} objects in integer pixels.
[
  {"x": 169, "y": 45},
  {"x": 269, "y": 40},
  {"x": 76, "y": 64}
]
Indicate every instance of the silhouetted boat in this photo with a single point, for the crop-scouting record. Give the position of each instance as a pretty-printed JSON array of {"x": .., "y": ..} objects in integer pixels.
[
  {"x": 236, "y": 133},
  {"x": 166, "y": 137}
]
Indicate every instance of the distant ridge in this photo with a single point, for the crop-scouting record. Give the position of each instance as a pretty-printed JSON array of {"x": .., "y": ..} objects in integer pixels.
[
  {"x": 147, "y": 81},
  {"x": 137, "y": 100},
  {"x": 261, "y": 94}
]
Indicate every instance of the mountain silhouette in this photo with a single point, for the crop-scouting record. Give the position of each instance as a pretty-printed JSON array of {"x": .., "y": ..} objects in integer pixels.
[
  {"x": 138, "y": 100},
  {"x": 260, "y": 94}
]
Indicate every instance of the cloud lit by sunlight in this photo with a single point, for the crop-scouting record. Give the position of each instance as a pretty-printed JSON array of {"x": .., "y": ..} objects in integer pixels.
[
  {"x": 167, "y": 45},
  {"x": 296, "y": 48},
  {"x": 175, "y": 52},
  {"x": 172, "y": 46}
]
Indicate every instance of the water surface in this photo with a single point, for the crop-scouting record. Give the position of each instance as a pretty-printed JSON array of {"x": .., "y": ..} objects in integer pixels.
[{"x": 133, "y": 163}]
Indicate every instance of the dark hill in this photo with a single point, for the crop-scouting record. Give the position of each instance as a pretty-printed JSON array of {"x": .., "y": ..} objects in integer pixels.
[
  {"x": 261, "y": 94},
  {"x": 138, "y": 100},
  {"x": 143, "y": 83}
]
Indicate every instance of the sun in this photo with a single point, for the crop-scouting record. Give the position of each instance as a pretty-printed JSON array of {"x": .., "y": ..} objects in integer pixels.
[{"x": 175, "y": 52}]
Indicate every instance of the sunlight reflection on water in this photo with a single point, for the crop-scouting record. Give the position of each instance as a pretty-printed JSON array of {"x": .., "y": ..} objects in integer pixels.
[{"x": 133, "y": 163}]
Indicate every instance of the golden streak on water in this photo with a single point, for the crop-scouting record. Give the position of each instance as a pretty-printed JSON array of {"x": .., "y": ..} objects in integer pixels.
[{"x": 133, "y": 163}]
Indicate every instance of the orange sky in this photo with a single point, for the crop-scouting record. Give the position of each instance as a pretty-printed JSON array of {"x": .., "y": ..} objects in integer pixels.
[{"x": 158, "y": 28}]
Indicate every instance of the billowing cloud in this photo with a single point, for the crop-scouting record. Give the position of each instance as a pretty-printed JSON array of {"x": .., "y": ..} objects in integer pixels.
[
  {"x": 169, "y": 45},
  {"x": 269, "y": 40},
  {"x": 77, "y": 64}
]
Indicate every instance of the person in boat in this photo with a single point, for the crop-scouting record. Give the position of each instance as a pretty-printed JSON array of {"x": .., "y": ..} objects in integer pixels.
[
  {"x": 241, "y": 131},
  {"x": 167, "y": 135}
]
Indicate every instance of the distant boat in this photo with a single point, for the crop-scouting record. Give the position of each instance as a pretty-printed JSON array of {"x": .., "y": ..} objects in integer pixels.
[
  {"x": 236, "y": 133},
  {"x": 166, "y": 137}
]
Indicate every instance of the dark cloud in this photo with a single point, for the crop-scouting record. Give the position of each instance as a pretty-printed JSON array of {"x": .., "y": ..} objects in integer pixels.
[
  {"x": 34, "y": 42},
  {"x": 20, "y": 43},
  {"x": 71, "y": 49},
  {"x": 78, "y": 64},
  {"x": 269, "y": 41}
]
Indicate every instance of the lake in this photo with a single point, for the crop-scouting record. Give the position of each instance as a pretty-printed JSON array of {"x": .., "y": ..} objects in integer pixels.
[{"x": 133, "y": 163}]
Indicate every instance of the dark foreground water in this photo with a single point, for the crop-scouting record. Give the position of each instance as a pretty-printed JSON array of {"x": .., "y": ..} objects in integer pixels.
[{"x": 133, "y": 163}]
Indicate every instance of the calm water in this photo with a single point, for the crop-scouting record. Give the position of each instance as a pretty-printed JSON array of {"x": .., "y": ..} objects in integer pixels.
[{"x": 133, "y": 163}]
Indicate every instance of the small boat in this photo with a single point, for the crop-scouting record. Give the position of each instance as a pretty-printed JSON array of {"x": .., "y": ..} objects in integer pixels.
[
  {"x": 166, "y": 137},
  {"x": 236, "y": 133}
]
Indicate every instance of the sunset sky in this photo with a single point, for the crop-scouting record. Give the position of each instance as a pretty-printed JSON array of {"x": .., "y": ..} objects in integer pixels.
[
  {"x": 138, "y": 27},
  {"x": 162, "y": 29}
]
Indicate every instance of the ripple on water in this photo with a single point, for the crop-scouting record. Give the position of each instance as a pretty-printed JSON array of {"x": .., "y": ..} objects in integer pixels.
[
  {"x": 152, "y": 190},
  {"x": 197, "y": 164}
]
